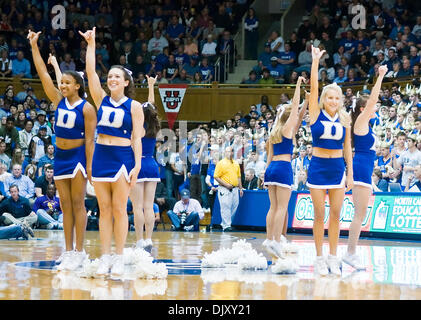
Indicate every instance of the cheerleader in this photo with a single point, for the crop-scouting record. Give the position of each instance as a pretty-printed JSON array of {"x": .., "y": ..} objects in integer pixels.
[
  {"x": 117, "y": 157},
  {"x": 143, "y": 193},
  {"x": 364, "y": 109},
  {"x": 331, "y": 131},
  {"x": 278, "y": 174},
  {"x": 74, "y": 127}
]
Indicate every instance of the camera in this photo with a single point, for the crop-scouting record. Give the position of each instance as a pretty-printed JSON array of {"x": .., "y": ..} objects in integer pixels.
[{"x": 183, "y": 216}]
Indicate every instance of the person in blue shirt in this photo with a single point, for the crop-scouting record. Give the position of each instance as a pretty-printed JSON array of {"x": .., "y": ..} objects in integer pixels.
[
  {"x": 263, "y": 61},
  {"x": 175, "y": 29},
  {"x": 191, "y": 68},
  {"x": 21, "y": 66},
  {"x": 287, "y": 59},
  {"x": 341, "y": 76},
  {"x": 48, "y": 210},
  {"x": 181, "y": 58},
  {"x": 24, "y": 183},
  {"x": 276, "y": 70},
  {"x": 206, "y": 71},
  {"x": 153, "y": 67},
  {"x": 349, "y": 43}
]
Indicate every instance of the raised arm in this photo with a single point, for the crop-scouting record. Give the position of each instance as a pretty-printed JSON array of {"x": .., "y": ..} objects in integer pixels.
[
  {"x": 51, "y": 91},
  {"x": 313, "y": 104},
  {"x": 302, "y": 112},
  {"x": 151, "y": 89},
  {"x": 293, "y": 117},
  {"x": 361, "y": 124},
  {"x": 53, "y": 61},
  {"x": 95, "y": 88}
]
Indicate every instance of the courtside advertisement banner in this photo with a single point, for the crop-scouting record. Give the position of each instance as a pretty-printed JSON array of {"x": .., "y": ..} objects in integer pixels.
[
  {"x": 385, "y": 213},
  {"x": 172, "y": 96},
  {"x": 304, "y": 213}
]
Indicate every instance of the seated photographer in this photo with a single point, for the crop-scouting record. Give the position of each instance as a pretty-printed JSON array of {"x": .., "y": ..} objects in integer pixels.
[{"x": 186, "y": 213}]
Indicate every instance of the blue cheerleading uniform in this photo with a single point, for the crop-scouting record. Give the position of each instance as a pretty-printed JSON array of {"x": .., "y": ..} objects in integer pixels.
[
  {"x": 279, "y": 172},
  {"x": 110, "y": 162},
  {"x": 327, "y": 173},
  {"x": 365, "y": 155},
  {"x": 69, "y": 124},
  {"x": 150, "y": 169}
]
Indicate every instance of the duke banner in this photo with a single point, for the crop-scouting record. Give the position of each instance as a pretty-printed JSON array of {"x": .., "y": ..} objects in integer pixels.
[
  {"x": 172, "y": 96},
  {"x": 388, "y": 213}
]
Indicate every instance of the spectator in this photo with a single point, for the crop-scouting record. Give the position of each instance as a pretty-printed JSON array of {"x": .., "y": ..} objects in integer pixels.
[
  {"x": 276, "y": 42},
  {"x": 25, "y": 136},
  {"x": 67, "y": 63},
  {"x": 10, "y": 135},
  {"x": 186, "y": 213},
  {"x": 25, "y": 184},
  {"x": 304, "y": 59},
  {"x": 182, "y": 78},
  {"x": 162, "y": 199},
  {"x": 378, "y": 183},
  {"x": 47, "y": 158},
  {"x": 191, "y": 68},
  {"x": 38, "y": 143},
  {"x": 267, "y": 79},
  {"x": 21, "y": 67},
  {"x": 44, "y": 180},
  {"x": 41, "y": 121},
  {"x": 228, "y": 175},
  {"x": 4, "y": 158},
  {"x": 157, "y": 43},
  {"x": 6, "y": 64},
  {"x": 408, "y": 160},
  {"x": 206, "y": 71},
  {"x": 414, "y": 181},
  {"x": 250, "y": 180},
  {"x": 251, "y": 25},
  {"x": 254, "y": 163},
  {"x": 252, "y": 79},
  {"x": 276, "y": 70},
  {"x": 209, "y": 49},
  {"x": 47, "y": 208},
  {"x": 171, "y": 68},
  {"x": 17, "y": 209}
]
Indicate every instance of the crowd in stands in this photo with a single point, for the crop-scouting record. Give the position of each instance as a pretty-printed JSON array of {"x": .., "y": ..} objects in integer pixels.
[
  {"x": 180, "y": 41},
  {"x": 392, "y": 37}
]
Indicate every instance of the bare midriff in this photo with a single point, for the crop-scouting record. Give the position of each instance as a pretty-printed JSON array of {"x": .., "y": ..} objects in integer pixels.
[
  {"x": 327, "y": 153},
  {"x": 282, "y": 157},
  {"x": 67, "y": 144},
  {"x": 112, "y": 140}
]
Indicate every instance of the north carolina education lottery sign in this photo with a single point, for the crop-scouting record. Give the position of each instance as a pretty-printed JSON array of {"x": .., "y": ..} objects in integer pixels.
[{"x": 385, "y": 213}]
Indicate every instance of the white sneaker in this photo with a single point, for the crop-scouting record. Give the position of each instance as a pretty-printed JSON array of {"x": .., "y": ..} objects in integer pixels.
[
  {"x": 353, "y": 260},
  {"x": 288, "y": 246},
  {"x": 278, "y": 249},
  {"x": 104, "y": 266},
  {"x": 65, "y": 260},
  {"x": 77, "y": 261},
  {"x": 140, "y": 244},
  {"x": 320, "y": 266},
  {"x": 266, "y": 245},
  {"x": 334, "y": 264},
  {"x": 118, "y": 265},
  {"x": 50, "y": 226}
]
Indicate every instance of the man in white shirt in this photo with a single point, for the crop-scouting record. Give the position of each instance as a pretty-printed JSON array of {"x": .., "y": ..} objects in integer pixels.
[
  {"x": 186, "y": 213},
  {"x": 257, "y": 165},
  {"x": 157, "y": 43},
  {"x": 209, "y": 48},
  {"x": 409, "y": 160}
]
